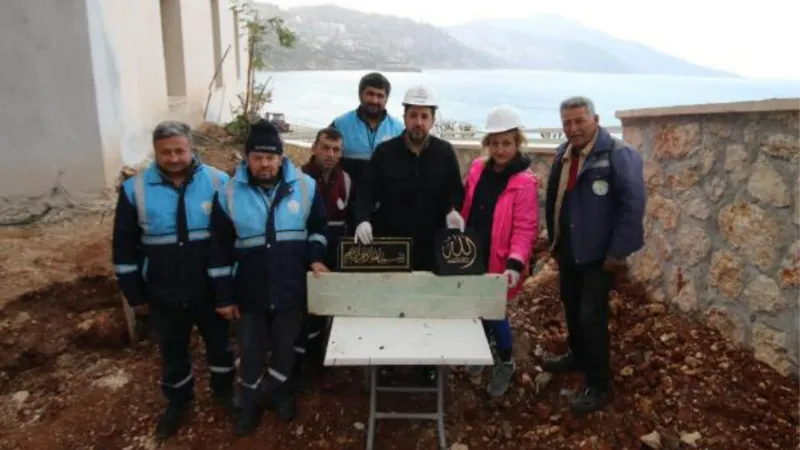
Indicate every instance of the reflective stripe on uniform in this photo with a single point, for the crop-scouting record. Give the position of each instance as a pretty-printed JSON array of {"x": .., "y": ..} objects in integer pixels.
[
  {"x": 181, "y": 383},
  {"x": 220, "y": 369},
  {"x": 164, "y": 239},
  {"x": 277, "y": 375},
  {"x": 122, "y": 269},
  {"x": 217, "y": 272},
  {"x": 253, "y": 386}
]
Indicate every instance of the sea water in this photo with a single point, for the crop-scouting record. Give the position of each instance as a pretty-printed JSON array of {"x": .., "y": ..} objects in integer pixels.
[{"x": 314, "y": 98}]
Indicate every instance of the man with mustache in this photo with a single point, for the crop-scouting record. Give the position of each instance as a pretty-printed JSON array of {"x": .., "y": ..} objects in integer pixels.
[
  {"x": 268, "y": 229},
  {"x": 594, "y": 212},
  {"x": 416, "y": 180},
  {"x": 160, "y": 249},
  {"x": 336, "y": 188},
  {"x": 367, "y": 126}
]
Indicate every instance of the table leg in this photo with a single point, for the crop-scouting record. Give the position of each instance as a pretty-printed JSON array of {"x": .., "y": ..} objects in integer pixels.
[
  {"x": 440, "y": 406},
  {"x": 373, "y": 393}
]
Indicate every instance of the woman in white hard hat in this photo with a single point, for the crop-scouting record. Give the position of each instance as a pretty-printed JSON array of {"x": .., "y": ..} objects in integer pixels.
[{"x": 502, "y": 207}]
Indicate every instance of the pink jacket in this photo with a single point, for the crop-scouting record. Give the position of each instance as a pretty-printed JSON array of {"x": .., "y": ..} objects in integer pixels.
[{"x": 516, "y": 220}]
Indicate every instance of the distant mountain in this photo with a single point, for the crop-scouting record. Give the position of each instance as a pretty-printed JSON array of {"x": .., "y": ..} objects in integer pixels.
[
  {"x": 551, "y": 42},
  {"x": 330, "y": 38},
  {"x": 335, "y": 38}
]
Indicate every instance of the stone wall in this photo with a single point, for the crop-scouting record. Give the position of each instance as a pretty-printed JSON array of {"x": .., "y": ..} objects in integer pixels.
[{"x": 722, "y": 218}]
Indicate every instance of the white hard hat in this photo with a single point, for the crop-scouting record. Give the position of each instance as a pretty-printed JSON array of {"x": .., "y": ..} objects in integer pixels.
[
  {"x": 502, "y": 118},
  {"x": 420, "y": 96}
]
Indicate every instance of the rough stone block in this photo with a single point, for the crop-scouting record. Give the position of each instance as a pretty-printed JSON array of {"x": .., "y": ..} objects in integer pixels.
[{"x": 415, "y": 294}]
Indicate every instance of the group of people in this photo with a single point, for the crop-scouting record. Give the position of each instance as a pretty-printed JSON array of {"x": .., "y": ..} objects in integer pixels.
[{"x": 194, "y": 246}]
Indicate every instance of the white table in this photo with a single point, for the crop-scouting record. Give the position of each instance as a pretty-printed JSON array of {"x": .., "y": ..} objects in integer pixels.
[{"x": 379, "y": 341}]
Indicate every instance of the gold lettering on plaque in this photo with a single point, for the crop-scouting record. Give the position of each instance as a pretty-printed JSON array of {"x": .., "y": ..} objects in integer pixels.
[
  {"x": 459, "y": 249},
  {"x": 368, "y": 255}
]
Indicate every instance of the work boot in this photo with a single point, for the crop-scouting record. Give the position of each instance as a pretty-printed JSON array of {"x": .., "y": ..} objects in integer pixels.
[
  {"x": 170, "y": 420},
  {"x": 590, "y": 400},
  {"x": 247, "y": 421},
  {"x": 501, "y": 378},
  {"x": 286, "y": 408},
  {"x": 561, "y": 364}
]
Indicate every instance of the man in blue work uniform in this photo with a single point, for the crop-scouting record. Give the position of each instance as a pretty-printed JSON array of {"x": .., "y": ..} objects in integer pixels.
[
  {"x": 160, "y": 252},
  {"x": 268, "y": 229},
  {"x": 594, "y": 212},
  {"x": 367, "y": 126},
  {"x": 364, "y": 128}
]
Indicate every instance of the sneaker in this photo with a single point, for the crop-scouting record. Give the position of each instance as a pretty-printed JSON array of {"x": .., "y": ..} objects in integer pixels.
[
  {"x": 590, "y": 400},
  {"x": 247, "y": 422},
  {"x": 501, "y": 378},
  {"x": 170, "y": 420},
  {"x": 561, "y": 364}
]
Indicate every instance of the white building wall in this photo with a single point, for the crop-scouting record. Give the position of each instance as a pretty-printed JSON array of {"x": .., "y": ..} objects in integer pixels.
[
  {"x": 48, "y": 121},
  {"x": 85, "y": 82}
]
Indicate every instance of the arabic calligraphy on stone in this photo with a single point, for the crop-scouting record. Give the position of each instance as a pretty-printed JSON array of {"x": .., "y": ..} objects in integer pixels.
[{"x": 362, "y": 255}]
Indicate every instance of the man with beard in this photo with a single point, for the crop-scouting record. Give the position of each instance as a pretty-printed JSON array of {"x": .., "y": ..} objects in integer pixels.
[
  {"x": 268, "y": 229},
  {"x": 160, "y": 248},
  {"x": 365, "y": 127},
  {"x": 336, "y": 189},
  {"x": 594, "y": 212},
  {"x": 416, "y": 179}
]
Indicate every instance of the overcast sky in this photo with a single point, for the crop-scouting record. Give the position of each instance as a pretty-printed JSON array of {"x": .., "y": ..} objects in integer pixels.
[{"x": 756, "y": 39}]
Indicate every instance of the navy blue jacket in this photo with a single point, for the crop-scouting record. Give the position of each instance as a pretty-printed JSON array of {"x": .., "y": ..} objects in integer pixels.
[
  {"x": 160, "y": 240},
  {"x": 606, "y": 206},
  {"x": 263, "y": 241}
]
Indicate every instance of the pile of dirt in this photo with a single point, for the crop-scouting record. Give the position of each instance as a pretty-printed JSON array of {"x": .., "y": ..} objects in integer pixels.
[{"x": 68, "y": 384}]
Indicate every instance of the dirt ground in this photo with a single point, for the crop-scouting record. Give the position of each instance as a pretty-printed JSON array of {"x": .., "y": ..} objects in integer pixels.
[{"x": 69, "y": 379}]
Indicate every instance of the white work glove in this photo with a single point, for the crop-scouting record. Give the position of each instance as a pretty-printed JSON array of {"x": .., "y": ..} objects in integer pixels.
[
  {"x": 364, "y": 233},
  {"x": 512, "y": 276},
  {"x": 454, "y": 220}
]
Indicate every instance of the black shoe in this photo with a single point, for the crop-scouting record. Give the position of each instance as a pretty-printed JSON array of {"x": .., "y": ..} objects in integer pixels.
[
  {"x": 286, "y": 408},
  {"x": 590, "y": 400},
  {"x": 170, "y": 420},
  {"x": 561, "y": 364},
  {"x": 246, "y": 422}
]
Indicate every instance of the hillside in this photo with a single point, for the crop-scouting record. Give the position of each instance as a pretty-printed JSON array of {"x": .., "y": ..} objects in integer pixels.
[
  {"x": 550, "y": 42},
  {"x": 336, "y": 38}
]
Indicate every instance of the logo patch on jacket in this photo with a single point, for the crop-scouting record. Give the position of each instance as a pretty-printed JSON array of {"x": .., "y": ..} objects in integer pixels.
[
  {"x": 600, "y": 187},
  {"x": 206, "y": 208},
  {"x": 294, "y": 206},
  {"x": 340, "y": 203}
]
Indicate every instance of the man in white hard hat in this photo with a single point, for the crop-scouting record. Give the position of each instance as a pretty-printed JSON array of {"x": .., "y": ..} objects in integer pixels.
[{"x": 416, "y": 179}]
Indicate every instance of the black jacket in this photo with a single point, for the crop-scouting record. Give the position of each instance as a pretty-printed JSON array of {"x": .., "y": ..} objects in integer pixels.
[{"x": 414, "y": 193}]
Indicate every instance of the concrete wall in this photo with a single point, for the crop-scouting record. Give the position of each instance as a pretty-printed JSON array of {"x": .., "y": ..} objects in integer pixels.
[
  {"x": 722, "y": 218},
  {"x": 48, "y": 122},
  {"x": 85, "y": 83}
]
